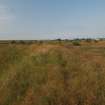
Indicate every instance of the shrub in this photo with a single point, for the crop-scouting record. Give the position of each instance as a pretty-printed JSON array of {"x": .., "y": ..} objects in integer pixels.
[
  {"x": 13, "y": 42},
  {"x": 88, "y": 40},
  {"x": 76, "y": 43}
]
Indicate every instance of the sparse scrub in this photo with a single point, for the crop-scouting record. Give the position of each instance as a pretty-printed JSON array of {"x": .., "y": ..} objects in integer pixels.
[{"x": 52, "y": 74}]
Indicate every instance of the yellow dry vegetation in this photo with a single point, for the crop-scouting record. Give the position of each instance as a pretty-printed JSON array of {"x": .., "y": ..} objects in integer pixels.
[{"x": 58, "y": 73}]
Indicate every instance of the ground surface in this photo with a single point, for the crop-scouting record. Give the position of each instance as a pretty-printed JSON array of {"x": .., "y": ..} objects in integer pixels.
[{"x": 52, "y": 74}]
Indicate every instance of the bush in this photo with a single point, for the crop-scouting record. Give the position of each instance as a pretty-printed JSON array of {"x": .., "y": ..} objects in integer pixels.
[
  {"x": 76, "y": 43},
  {"x": 88, "y": 40},
  {"x": 13, "y": 42}
]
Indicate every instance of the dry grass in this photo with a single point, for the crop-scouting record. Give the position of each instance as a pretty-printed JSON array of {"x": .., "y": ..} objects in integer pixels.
[{"x": 52, "y": 74}]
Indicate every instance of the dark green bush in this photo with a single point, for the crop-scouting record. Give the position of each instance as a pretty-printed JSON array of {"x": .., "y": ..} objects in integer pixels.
[{"x": 76, "y": 43}]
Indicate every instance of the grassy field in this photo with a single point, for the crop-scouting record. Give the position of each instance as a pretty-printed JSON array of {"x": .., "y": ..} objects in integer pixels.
[{"x": 52, "y": 73}]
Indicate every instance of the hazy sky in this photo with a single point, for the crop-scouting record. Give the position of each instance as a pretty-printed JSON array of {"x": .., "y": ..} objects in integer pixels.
[{"x": 48, "y": 19}]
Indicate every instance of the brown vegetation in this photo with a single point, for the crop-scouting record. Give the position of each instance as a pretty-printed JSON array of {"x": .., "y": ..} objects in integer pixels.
[{"x": 52, "y": 73}]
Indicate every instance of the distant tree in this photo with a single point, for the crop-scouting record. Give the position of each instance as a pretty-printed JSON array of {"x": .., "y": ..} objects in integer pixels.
[
  {"x": 95, "y": 41},
  {"x": 88, "y": 40},
  {"x": 13, "y": 42},
  {"x": 59, "y": 40},
  {"x": 40, "y": 42},
  {"x": 22, "y": 42},
  {"x": 101, "y": 39}
]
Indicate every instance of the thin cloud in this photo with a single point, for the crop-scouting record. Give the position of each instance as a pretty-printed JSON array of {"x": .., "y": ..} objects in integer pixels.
[{"x": 6, "y": 18}]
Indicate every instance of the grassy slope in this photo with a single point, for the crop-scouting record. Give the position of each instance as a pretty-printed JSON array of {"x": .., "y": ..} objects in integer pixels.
[{"x": 52, "y": 74}]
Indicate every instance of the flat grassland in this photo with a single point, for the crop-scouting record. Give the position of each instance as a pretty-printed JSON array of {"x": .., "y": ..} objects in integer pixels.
[{"x": 52, "y": 73}]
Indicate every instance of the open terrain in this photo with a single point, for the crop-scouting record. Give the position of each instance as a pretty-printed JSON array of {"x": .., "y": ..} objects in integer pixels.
[{"x": 52, "y": 72}]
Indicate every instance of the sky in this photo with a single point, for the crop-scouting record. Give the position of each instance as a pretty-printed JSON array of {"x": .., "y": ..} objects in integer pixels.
[{"x": 51, "y": 19}]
